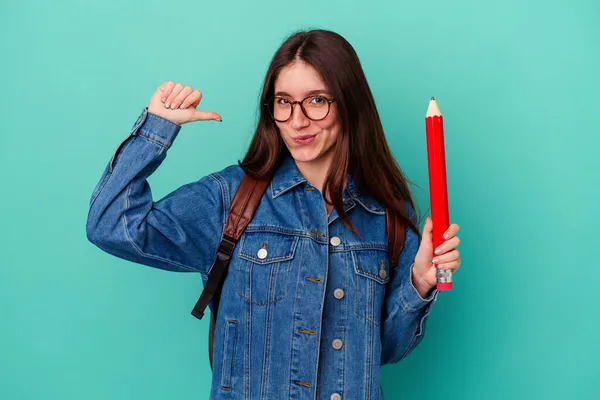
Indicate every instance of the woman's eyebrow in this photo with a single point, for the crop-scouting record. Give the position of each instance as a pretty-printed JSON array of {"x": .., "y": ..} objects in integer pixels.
[{"x": 311, "y": 93}]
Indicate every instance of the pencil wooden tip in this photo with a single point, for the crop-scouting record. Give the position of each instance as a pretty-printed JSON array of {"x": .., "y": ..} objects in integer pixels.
[{"x": 433, "y": 109}]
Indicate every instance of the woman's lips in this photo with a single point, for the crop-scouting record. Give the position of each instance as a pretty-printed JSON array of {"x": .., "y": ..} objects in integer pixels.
[{"x": 304, "y": 139}]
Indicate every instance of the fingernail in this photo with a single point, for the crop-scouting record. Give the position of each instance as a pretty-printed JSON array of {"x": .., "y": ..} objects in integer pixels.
[
  {"x": 181, "y": 106},
  {"x": 437, "y": 251},
  {"x": 163, "y": 99},
  {"x": 172, "y": 106},
  {"x": 167, "y": 105},
  {"x": 435, "y": 260},
  {"x": 445, "y": 237}
]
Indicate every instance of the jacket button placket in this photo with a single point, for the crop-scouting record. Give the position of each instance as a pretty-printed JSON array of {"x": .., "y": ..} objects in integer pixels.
[
  {"x": 337, "y": 308},
  {"x": 309, "y": 300}
]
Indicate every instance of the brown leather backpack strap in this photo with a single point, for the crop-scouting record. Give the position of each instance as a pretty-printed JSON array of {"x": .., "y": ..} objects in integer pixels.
[
  {"x": 242, "y": 209},
  {"x": 211, "y": 338},
  {"x": 244, "y": 204},
  {"x": 396, "y": 234}
]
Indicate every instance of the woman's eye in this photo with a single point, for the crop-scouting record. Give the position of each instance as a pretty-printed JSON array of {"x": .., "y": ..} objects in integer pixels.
[
  {"x": 281, "y": 101},
  {"x": 317, "y": 100}
]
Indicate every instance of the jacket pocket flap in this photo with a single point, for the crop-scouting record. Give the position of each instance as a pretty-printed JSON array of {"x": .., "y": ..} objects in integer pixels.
[
  {"x": 372, "y": 264},
  {"x": 267, "y": 247}
]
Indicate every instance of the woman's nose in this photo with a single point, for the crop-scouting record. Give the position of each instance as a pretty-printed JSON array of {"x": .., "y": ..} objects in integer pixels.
[{"x": 299, "y": 120}]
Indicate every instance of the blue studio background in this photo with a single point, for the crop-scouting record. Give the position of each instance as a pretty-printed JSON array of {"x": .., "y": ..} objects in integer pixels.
[{"x": 517, "y": 82}]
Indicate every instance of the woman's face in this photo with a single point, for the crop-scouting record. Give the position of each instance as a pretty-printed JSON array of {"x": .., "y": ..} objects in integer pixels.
[{"x": 307, "y": 140}]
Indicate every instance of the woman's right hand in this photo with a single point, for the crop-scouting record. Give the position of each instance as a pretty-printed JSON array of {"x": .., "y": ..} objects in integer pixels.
[{"x": 178, "y": 103}]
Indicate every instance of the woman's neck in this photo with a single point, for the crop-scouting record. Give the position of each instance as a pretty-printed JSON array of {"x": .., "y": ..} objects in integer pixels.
[{"x": 315, "y": 171}]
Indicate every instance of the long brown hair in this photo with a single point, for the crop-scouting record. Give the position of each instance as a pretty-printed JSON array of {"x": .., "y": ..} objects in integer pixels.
[{"x": 361, "y": 148}]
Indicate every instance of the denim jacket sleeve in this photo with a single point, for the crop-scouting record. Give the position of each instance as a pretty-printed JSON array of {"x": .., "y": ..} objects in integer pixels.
[
  {"x": 180, "y": 232},
  {"x": 405, "y": 311}
]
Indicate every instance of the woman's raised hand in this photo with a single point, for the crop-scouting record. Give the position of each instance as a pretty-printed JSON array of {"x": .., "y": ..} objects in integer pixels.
[{"x": 178, "y": 103}]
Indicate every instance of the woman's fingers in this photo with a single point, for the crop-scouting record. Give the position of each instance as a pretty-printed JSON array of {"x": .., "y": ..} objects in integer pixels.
[
  {"x": 167, "y": 87},
  {"x": 176, "y": 90},
  {"x": 448, "y": 257},
  {"x": 185, "y": 92},
  {"x": 451, "y": 231},
  {"x": 193, "y": 99},
  {"x": 447, "y": 246}
]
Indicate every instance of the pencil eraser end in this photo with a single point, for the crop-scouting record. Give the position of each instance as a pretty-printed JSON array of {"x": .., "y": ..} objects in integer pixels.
[{"x": 444, "y": 286}]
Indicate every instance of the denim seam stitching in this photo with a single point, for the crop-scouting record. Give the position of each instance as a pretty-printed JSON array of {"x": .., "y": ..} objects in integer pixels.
[
  {"x": 377, "y": 281},
  {"x": 224, "y": 198},
  {"x": 164, "y": 119},
  {"x": 234, "y": 349},
  {"x": 163, "y": 145},
  {"x": 322, "y": 308},
  {"x": 267, "y": 342},
  {"x": 301, "y": 264},
  {"x": 344, "y": 327},
  {"x": 217, "y": 178},
  {"x": 419, "y": 329},
  {"x": 365, "y": 206},
  {"x": 369, "y": 369},
  {"x": 100, "y": 187},
  {"x": 125, "y": 143},
  {"x": 225, "y": 349}
]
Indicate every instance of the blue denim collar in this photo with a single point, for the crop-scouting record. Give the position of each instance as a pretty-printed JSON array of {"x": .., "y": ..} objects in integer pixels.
[{"x": 287, "y": 177}]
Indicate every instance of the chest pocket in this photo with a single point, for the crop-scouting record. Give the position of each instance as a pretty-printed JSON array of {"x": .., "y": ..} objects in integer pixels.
[
  {"x": 263, "y": 268},
  {"x": 372, "y": 272}
]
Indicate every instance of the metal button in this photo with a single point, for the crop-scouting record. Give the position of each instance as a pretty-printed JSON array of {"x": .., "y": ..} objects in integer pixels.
[
  {"x": 337, "y": 344},
  {"x": 262, "y": 254},
  {"x": 335, "y": 396},
  {"x": 335, "y": 241},
  {"x": 338, "y": 293},
  {"x": 382, "y": 273}
]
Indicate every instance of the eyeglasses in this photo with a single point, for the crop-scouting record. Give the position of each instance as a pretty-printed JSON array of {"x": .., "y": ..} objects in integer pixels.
[{"x": 315, "y": 108}]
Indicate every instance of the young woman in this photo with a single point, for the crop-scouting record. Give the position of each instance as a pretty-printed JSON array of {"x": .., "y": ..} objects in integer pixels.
[{"x": 311, "y": 307}]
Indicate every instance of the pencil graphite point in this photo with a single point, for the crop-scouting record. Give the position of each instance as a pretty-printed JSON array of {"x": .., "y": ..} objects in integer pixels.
[{"x": 432, "y": 98}]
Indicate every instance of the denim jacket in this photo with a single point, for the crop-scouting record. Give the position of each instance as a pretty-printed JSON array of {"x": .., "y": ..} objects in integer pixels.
[{"x": 308, "y": 310}]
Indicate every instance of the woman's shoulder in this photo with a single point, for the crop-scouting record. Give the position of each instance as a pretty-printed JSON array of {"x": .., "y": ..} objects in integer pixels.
[
  {"x": 230, "y": 174},
  {"x": 227, "y": 179}
]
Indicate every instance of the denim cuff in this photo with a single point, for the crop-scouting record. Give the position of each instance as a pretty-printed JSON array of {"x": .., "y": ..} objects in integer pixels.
[
  {"x": 410, "y": 297},
  {"x": 155, "y": 128}
]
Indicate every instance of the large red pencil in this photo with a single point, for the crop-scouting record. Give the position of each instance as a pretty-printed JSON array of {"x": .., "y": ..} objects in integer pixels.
[{"x": 438, "y": 192}]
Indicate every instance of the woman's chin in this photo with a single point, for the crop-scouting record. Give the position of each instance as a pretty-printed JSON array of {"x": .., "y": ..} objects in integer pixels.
[{"x": 304, "y": 155}]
